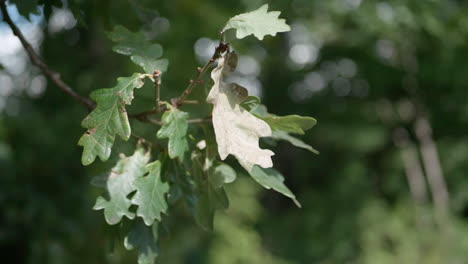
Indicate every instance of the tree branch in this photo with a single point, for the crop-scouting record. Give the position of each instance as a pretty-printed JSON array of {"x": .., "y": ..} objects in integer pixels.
[
  {"x": 36, "y": 60},
  {"x": 413, "y": 170},
  {"x": 431, "y": 161}
]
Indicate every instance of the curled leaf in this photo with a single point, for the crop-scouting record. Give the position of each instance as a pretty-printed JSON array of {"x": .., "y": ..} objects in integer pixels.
[{"x": 237, "y": 131}]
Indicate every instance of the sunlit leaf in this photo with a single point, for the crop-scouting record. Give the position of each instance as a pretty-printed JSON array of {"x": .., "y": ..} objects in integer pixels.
[{"x": 258, "y": 22}]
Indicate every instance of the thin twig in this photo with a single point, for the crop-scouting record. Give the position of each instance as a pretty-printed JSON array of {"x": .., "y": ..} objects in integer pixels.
[
  {"x": 221, "y": 48},
  {"x": 190, "y": 102},
  {"x": 431, "y": 162},
  {"x": 36, "y": 60},
  {"x": 178, "y": 101}
]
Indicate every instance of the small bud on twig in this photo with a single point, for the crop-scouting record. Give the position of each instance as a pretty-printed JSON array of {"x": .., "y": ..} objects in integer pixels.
[{"x": 156, "y": 74}]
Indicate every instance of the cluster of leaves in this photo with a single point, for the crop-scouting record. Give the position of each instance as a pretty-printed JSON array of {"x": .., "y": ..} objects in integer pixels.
[{"x": 143, "y": 186}]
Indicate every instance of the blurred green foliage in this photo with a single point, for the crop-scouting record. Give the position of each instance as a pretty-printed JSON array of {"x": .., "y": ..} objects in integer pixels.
[{"x": 362, "y": 68}]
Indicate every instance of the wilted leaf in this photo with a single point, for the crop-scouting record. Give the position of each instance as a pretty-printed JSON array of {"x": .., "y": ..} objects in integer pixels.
[
  {"x": 281, "y": 135},
  {"x": 120, "y": 183},
  {"x": 272, "y": 179},
  {"x": 144, "y": 239},
  {"x": 151, "y": 194},
  {"x": 175, "y": 129},
  {"x": 258, "y": 22},
  {"x": 237, "y": 131},
  {"x": 108, "y": 119}
]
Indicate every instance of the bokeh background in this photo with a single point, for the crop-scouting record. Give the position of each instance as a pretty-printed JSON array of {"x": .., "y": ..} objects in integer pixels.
[{"x": 387, "y": 81}]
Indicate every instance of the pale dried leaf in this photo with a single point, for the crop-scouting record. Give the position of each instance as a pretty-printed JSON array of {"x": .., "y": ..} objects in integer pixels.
[{"x": 237, "y": 131}]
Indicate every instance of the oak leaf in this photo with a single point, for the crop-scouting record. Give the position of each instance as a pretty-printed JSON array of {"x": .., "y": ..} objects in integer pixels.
[{"x": 237, "y": 131}]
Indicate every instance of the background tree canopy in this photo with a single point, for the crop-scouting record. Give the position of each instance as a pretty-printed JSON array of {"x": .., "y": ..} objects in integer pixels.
[{"x": 386, "y": 80}]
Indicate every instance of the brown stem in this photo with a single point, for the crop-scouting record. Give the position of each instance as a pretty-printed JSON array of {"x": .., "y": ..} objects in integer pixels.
[
  {"x": 221, "y": 48},
  {"x": 157, "y": 84},
  {"x": 36, "y": 60}
]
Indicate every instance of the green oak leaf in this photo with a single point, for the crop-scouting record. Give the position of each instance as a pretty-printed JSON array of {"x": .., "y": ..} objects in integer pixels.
[
  {"x": 210, "y": 196},
  {"x": 138, "y": 47},
  {"x": 258, "y": 22},
  {"x": 131, "y": 43},
  {"x": 108, "y": 119},
  {"x": 175, "y": 129},
  {"x": 150, "y": 64},
  {"x": 291, "y": 123},
  {"x": 250, "y": 103},
  {"x": 281, "y": 135},
  {"x": 221, "y": 175},
  {"x": 120, "y": 183},
  {"x": 272, "y": 179},
  {"x": 151, "y": 194},
  {"x": 144, "y": 239}
]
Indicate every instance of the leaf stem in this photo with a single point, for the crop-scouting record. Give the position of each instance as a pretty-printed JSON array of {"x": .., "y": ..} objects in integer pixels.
[
  {"x": 157, "y": 84},
  {"x": 190, "y": 121}
]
